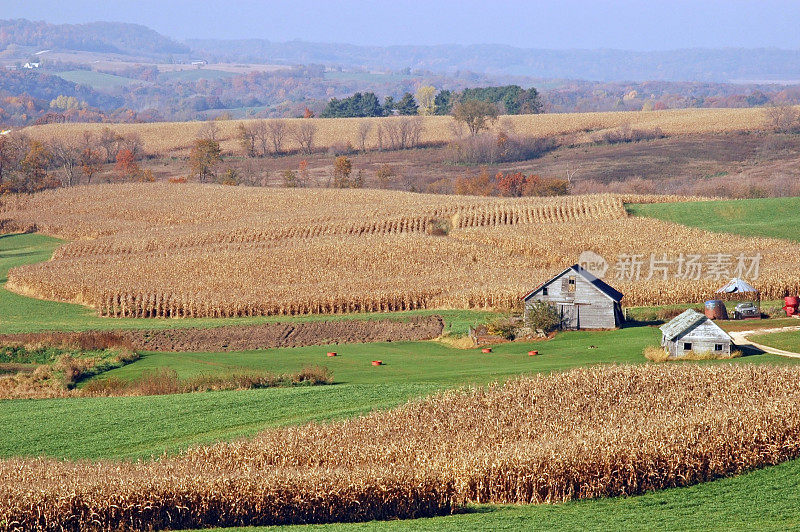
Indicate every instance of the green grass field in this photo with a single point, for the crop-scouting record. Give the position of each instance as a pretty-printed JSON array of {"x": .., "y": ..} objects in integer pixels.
[
  {"x": 97, "y": 80},
  {"x": 195, "y": 74},
  {"x": 770, "y": 217},
  {"x": 788, "y": 341}
]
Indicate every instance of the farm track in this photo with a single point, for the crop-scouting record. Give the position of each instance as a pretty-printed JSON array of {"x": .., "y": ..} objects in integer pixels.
[{"x": 740, "y": 338}]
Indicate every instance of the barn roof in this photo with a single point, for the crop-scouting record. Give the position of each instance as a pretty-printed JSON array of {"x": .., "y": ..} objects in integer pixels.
[
  {"x": 601, "y": 285},
  {"x": 683, "y": 322}
]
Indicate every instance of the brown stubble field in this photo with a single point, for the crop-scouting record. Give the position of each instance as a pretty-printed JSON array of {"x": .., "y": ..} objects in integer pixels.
[{"x": 176, "y": 138}]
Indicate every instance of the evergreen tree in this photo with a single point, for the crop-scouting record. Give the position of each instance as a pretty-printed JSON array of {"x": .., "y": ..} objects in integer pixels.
[{"x": 407, "y": 105}]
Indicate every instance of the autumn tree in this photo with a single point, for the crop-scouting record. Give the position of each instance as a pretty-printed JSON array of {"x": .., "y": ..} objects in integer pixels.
[
  {"x": 480, "y": 185},
  {"x": 384, "y": 175},
  {"x": 511, "y": 185},
  {"x": 203, "y": 159},
  {"x": 426, "y": 96},
  {"x": 34, "y": 168},
  {"x": 342, "y": 167},
  {"x": 126, "y": 166},
  {"x": 302, "y": 173},
  {"x": 475, "y": 114},
  {"x": 290, "y": 179}
]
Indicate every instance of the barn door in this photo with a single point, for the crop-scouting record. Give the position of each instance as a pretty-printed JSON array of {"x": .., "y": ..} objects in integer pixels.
[{"x": 568, "y": 316}]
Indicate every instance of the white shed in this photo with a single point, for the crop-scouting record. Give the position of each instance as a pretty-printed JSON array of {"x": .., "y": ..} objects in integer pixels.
[{"x": 691, "y": 331}]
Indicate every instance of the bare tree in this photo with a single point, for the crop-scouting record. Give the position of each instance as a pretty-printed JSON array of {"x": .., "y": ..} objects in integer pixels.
[
  {"x": 379, "y": 136},
  {"x": 416, "y": 127},
  {"x": 404, "y": 132},
  {"x": 67, "y": 156},
  {"x": 394, "y": 133},
  {"x": 87, "y": 140},
  {"x": 364, "y": 127},
  {"x": 261, "y": 134},
  {"x": 109, "y": 143},
  {"x": 208, "y": 130},
  {"x": 133, "y": 143},
  {"x": 303, "y": 133},
  {"x": 783, "y": 118},
  {"x": 277, "y": 133},
  {"x": 247, "y": 139}
]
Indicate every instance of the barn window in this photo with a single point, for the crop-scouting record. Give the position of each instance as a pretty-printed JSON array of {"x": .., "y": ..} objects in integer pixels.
[
  {"x": 687, "y": 346},
  {"x": 571, "y": 284},
  {"x": 544, "y": 291},
  {"x": 718, "y": 347}
]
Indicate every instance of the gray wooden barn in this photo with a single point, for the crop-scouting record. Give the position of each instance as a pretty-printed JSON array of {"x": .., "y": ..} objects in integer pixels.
[
  {"x": 692, "y": 331},
  {"x": 582, "y": 300}
]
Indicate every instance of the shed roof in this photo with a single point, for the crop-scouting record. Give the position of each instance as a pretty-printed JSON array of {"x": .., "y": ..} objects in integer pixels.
[
  {"x": 736, "y": 285},
  {"x": 683, "y": 322},
  {"x": 601, "y": 285}
]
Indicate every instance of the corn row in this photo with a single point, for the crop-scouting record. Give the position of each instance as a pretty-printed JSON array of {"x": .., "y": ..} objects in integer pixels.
[{"x": 593, "y": 432}]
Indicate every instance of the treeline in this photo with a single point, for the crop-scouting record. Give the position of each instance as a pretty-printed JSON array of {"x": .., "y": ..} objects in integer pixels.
[
  {"x": 508, "y": 99},
  {"x": 28, "y": 165}
]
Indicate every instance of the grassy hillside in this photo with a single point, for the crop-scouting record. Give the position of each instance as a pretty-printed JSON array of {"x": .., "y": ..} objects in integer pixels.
[
  {"x": 770, "y": 217},
  {"x": 196, "y": 74},
  {"x": 97, "y": 80},
  {"x": 140, "y": 426}
]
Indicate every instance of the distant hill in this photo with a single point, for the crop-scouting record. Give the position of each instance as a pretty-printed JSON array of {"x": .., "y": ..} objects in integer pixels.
[
  {"x": 723, "y": 65},
  {"x": 106, "y": 37}
]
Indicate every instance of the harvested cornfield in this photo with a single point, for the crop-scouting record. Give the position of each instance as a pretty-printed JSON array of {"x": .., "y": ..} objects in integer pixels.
[
  {"x": 176, "y": 138},
  {"x": 597, "y": 432},
  {"x": 163, "y": 250}
]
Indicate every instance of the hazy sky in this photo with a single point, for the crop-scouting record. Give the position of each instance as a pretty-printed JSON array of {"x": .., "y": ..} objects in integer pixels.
[{"x": 623, "y": 24}]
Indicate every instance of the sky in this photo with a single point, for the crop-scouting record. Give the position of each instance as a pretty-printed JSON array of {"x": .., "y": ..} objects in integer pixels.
[{"x": 555, "y": 24}]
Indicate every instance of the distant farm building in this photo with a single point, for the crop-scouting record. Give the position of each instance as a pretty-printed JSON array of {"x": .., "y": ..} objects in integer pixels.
[
  {"x": 199, "y": 62},
  {"x": 31, "y": 65},
  {"x": 691, "y": 331},
  {"x": 583, "y": 301}
]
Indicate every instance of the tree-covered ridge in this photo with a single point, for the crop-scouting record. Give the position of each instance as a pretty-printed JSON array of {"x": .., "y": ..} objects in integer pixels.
[{"x": 107, "y": 37}]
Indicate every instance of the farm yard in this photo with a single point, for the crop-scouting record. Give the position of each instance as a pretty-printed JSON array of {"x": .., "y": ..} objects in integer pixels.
[{"x": 536, "y": 236}]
